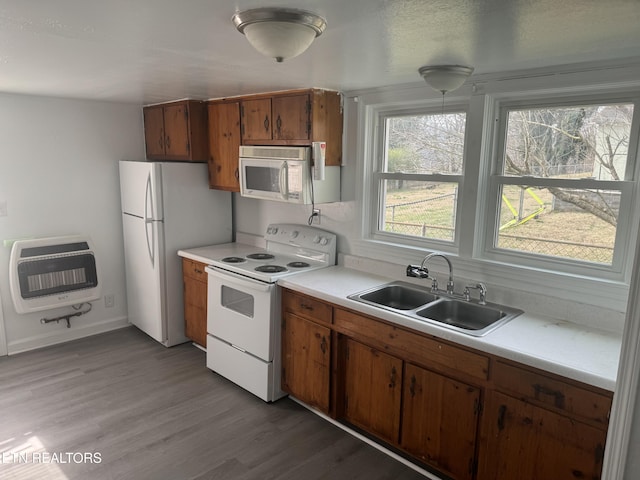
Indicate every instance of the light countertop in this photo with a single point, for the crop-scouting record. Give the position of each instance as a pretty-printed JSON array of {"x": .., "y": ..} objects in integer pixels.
[{"x": 574, "y": 351}]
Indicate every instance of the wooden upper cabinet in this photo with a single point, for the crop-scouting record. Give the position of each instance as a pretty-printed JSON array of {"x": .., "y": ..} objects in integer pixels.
[
  {"x": 297, "y": 117},
  {"x": 154, "y": 131},
  {"x": 224, "y": 145},
  {"x": 176, "y": 131},
  {"x": 291, "y": 117},
  {"x": 256, "y": 120},
  {"x": 280, "y": 118}
]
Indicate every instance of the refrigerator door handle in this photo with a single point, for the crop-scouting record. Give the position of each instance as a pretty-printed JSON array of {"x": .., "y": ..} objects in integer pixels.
[{"x": 148, "y": 198}]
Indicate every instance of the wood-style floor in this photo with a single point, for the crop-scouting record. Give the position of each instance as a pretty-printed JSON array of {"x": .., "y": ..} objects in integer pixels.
[{"x": 147, "y": 412}]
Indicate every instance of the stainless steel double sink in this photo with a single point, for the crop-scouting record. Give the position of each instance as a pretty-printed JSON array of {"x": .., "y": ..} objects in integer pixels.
[{"x": 450, "y": 311}]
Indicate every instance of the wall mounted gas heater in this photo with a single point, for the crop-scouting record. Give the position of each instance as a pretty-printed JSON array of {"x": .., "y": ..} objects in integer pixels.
[{"x": 47, "y": 273}]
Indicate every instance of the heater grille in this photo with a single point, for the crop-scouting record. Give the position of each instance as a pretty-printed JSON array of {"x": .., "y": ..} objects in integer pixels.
[{"x": 48, "y": 273}]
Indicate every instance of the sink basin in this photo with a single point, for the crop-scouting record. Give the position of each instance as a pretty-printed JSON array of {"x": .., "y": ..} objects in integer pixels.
[
  {"x": 398, "y": 296},
  {"x": 462, "y": 314},
  {"x": 449, "y": 311}
]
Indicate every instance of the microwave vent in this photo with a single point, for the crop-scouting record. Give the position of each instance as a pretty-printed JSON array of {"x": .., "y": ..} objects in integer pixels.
[
  {"x": 276, "y": 153},
  {"x": 47, "y": 273}
]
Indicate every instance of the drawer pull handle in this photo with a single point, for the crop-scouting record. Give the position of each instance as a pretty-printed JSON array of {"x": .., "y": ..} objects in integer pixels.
[
  {"x": 323, "y": 345},
  {"x": 304, "y": 306},
  {"x": 197, "y": 270},
  {"x": 392, "y": 379},
  {"x": 502, "y": 411},
  {"x": 558, "y": 396},
  {"x": 412, "y": 386}
]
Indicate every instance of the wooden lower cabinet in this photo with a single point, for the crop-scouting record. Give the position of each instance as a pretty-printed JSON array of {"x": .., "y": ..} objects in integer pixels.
[
  {"x": 526, "y": 442},
  {"x": 306, "y": 361},
  {"x": 373, "y": 388},
  {"x": 195, "y": 301},
  {"x": 464, "y": 413},
  {"x": 440, "y": 421}
]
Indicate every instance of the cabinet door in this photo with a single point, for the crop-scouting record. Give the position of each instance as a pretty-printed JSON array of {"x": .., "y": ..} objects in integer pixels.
[
  {"x": 195, "y": 310},
  {"x": 440, "y": 421},
  {"x": 224, "y": 144},
  {"x": 291, "y": 117},
  {"x": 176, "y": 131},
  {"x": 154, "y": 131},
  {"x": 306, "y": 361},
  {"x": 372, "y": 390},
  {"x": 256, "y": 119},
  {"x": 523, "y": 441}
]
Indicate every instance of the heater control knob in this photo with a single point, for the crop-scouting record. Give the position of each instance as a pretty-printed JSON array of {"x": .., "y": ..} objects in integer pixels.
[
  {"x": 293, "y": 234},
  {"x": 316, "y": 239},
  {"x": 324, "y": 240}
]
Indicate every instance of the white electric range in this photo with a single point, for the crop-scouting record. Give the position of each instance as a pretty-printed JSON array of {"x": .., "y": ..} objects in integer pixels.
[{"x": 243, "y": 307}]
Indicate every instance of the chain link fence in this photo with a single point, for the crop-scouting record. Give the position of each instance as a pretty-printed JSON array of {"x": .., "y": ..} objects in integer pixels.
[
  {"x": 439, "y": 210},
  {"x": 557, "y": 248},
  {"x": 401, "y": 218}
]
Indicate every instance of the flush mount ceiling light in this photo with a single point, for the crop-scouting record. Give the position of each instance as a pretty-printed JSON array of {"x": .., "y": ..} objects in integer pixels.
[
  {"x": 279, "y": 33},
  {"x": 445, "y": 78}
]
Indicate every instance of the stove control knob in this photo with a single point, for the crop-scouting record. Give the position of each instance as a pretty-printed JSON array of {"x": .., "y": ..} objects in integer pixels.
[
  {"x": 316, "y": 239},
  {"x": 293, "y": 234},
  {"x": 324, "y": 240},
  {"x": 274, "y": 230}
]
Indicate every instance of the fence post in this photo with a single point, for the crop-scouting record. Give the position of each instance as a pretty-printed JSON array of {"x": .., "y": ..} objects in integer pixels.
[{"x": 424, "y": 229}]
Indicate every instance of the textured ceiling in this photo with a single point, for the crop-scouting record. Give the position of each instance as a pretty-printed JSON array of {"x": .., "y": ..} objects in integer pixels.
[{"x": 156, "y": 50}]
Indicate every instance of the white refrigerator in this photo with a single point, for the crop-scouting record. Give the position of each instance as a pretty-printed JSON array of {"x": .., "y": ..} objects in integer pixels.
[{"x": 166, "y": 206}]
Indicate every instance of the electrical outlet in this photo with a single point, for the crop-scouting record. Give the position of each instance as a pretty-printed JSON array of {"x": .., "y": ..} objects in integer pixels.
[
  {"x": 315, "y": 218},
  {"x": 3, "y": 208},
  {"x": 109, "y": 300}
]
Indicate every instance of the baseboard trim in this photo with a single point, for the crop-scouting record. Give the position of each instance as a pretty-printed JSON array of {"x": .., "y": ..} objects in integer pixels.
[
  {"x": 368, "y": 441},
  {"x": 67, "y": 335}
]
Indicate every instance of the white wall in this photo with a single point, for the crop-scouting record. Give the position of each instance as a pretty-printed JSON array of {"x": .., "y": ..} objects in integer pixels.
[{"x": 59, "y": 176}]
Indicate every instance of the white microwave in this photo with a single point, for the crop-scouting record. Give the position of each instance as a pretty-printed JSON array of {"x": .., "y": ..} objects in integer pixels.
[{"x": 287, "y": 174}]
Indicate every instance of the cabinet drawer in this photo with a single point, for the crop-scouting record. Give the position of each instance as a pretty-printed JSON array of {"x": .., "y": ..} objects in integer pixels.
[
  {"x": 412, "y": 346},
  {"x": 193, "y": 269},
  {"x": 552, "y": 392},
  {"x": 307, "y": 307}
]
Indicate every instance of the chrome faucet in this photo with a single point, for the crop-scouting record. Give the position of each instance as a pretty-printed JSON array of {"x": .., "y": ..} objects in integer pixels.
[
  {"x": 482, "y": 290},
  {"x": 422, "y": 272}
]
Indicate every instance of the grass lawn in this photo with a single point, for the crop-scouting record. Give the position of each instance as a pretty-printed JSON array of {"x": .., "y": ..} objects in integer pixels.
[{"x": 430, "y": 212}]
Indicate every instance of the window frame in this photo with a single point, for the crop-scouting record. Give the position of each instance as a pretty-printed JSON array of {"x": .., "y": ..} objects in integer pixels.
[
  {"x": 377, "y": 177},
  {"x": 494, "y": 179}
]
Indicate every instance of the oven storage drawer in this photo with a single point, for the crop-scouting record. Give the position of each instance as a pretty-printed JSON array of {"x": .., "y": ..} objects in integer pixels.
[{"x": 247, "y": 371}]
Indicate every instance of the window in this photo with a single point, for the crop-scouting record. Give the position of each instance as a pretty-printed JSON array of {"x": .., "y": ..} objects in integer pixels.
[
  {"x": 418, "y": 175},
  {"x": 562, "y": 181}
]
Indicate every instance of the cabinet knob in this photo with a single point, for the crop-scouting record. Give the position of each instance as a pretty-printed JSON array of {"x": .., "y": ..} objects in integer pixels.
[
  {"x": 168, "y": 142},
  {"x": 412, "y": 386},
  {"x": 279, "y": 123},
  {"x": 266, "y": 123}
]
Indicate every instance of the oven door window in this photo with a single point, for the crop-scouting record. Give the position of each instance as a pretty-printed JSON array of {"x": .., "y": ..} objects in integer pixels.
[{"x": 237, "y": 301}]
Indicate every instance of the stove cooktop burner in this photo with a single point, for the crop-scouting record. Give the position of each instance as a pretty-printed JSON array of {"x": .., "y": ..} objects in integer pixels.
[
  {"x": 261, "y": 256},
  {"x": 298, "y": 265},
  {"x": 233, "y": 260},
  {"x": 270, "y": 269}
]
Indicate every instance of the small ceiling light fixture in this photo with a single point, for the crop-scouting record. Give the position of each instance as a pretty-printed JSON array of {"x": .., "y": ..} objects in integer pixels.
[
  {"x": 445, "y": 78},
  {"x": 279, "y": 33}
]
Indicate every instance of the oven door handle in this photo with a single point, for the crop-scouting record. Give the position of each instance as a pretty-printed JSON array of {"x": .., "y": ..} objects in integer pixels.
[{"x": 237, "y": 279}]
